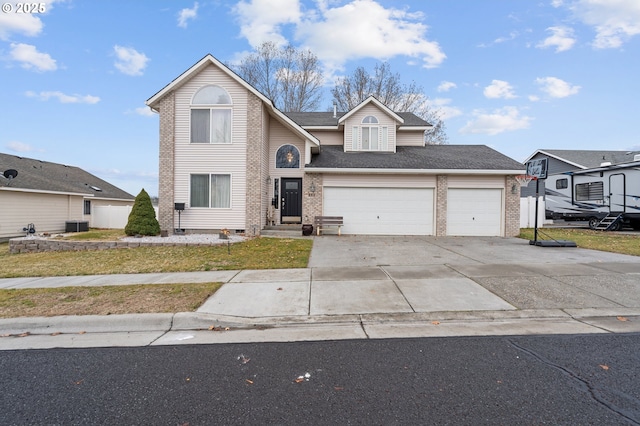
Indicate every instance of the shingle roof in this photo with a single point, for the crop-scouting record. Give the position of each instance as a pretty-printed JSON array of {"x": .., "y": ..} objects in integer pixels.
[
  {"x": 313, "y": 119},
  {"x": 45, "y": 176},
  {"x": 436, "y": 157},
  {"x": 591, "y": 158}
]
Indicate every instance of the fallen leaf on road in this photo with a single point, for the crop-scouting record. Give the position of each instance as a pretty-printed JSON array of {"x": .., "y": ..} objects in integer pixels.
[
  {"x": 56, "y": 333},
  {"x": 338, "y": 388},
  {"x": 279, "y": 288},
  {"x": 83, "y": 332},
  {"x": 604, "y": 367},
  {"x": 249, "y": 381},
  {"x": 621, "y": 319},
  {"x": 243, "y": 359},
  {"x": 435, "y": 322},
  {"x": 25, "y": 334}
]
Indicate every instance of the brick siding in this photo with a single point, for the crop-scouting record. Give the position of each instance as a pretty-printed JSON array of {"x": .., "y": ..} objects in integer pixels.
[{"x": 167, "y": 159}]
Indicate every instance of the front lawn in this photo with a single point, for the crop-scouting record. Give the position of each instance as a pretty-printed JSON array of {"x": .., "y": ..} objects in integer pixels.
[{"x": 257, "y": 253}]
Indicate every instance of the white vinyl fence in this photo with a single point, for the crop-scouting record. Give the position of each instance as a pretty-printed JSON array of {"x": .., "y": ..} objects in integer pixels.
[
  {"x": 528, "y": 212},
  {"x": 111, "y": 217}
]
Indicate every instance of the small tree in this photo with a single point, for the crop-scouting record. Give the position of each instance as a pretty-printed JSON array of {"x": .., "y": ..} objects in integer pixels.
[{"x": 142, "y": 219}]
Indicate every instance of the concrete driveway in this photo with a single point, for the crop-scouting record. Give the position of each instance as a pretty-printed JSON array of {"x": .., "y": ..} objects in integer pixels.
[{"x": 344, "y": 251}]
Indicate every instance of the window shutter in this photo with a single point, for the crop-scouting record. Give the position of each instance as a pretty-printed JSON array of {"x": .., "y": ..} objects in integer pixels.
[{"x": 354, "y": 139}]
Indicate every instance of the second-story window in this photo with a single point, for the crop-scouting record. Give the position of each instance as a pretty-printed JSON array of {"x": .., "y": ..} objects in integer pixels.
[
  {"x": 211, "y": 116},
  {"x": 373, "y": 137}
]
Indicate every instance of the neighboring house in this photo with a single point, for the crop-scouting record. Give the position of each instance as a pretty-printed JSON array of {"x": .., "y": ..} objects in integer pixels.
[
  {"x": 237, "y": 162},
  {"x": 49, "y": 194},
  {"x": 566, "y": 160}
]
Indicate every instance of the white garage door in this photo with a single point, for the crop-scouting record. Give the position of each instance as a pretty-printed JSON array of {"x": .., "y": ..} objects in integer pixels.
[
  {"x": 381, "y": 211},
  {"x": 474, "y": 212}
]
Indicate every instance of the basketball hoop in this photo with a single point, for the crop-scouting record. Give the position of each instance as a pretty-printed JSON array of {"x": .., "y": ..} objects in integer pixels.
[{"x": 524, "y": 180}]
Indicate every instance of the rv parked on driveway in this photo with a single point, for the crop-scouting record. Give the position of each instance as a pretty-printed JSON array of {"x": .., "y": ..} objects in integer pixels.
[{"x": 608, "y": 196}]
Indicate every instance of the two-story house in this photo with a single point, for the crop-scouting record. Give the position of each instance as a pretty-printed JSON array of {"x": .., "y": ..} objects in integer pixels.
[{"x": 237, "y": 162}]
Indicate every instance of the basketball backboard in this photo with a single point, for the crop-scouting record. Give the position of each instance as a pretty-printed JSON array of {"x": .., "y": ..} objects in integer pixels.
[{"x": 537, "y": 168}]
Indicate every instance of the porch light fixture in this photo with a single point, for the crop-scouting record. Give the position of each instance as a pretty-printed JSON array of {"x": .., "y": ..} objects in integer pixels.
[{"x": 289, "y": 157}]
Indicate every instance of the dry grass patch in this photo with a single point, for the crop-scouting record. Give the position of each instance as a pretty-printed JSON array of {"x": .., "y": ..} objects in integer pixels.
[
  {"x": 257, "y": 253},
  {"x": 106, "y": 300},
  {"x": 585, "y": 238}
]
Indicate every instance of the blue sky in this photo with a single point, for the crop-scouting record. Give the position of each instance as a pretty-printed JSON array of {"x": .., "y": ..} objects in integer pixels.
[{"x": 514, "y": 75}]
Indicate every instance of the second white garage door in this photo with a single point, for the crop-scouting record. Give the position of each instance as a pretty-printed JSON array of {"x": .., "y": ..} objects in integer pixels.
[
  {"x": 381, "y": 211},
  {"x": 474, "y": 212}
]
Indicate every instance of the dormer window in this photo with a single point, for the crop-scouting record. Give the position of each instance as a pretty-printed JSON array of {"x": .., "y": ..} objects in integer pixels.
[
  {"x": 370, "y": 136},
  {"x": 211, "y": 116}
]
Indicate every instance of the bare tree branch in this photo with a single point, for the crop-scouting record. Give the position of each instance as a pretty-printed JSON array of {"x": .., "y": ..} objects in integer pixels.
[
  {"x": 291, "y": 78},
  {"x": 387, "y": 87}
]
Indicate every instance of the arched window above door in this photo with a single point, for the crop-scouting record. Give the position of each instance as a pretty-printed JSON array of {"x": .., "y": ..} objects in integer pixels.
[{"x": 287, "y": 157}]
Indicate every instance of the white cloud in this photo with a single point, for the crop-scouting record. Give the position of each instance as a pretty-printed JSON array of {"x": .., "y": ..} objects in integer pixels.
[
  {"x": 261, "y": 20},
  {"x": 445, "y": 111},
  {"x": 30, "y": 58},
  {"x": 557, "y": 88},
  {"x": 130, "y": 61},
  {"x": 63, "y": 98},
  {"x": 144, "y": 111},
  {"x": 502, "y": 120},
  {"x": 534, "y": 98},
  {"x": 445, "y": 86},
  {"x": 186, "y": 15},
  {"x": 337, "y": 34},
  {"x": 615, "y": 21},
  {"x": 17, "y": 146},
  {"x": 499, "y": 89},
  {"x": 561, "y": 38}
]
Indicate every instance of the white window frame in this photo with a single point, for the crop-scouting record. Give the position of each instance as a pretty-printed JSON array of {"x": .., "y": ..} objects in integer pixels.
[
  {"x": 209, "y": 191},
  {"x": 212, "y": 108},
  {"x": 370, "y": 126}
]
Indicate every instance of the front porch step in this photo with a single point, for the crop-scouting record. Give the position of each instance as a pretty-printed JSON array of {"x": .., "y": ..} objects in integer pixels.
[{"x": 284, "y": 231}]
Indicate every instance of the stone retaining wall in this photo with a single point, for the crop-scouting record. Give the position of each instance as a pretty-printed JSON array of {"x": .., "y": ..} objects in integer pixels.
[{"x": 38, "y": 245}]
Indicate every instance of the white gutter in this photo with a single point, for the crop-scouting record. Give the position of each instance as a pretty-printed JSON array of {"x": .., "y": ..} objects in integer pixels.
[
  {"x": 40, "y": 191},
  {"x": 415, "y": 171}
]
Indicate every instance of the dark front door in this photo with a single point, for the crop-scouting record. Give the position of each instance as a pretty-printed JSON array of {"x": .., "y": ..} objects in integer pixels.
[{"x": 291, "y": 202}]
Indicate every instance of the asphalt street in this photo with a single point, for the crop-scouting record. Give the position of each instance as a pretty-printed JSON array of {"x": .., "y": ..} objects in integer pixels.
[{"x": 570, "y": 379}]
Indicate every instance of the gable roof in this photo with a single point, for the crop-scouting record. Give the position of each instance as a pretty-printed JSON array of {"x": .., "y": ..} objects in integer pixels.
[
  {"x": 43, "y": 176},
  {"x": 585, "y": 159},
  {"x": 153, "y": 101},
  {"x": 377, "y": 103},
  {"x": 423, "y": 159}
]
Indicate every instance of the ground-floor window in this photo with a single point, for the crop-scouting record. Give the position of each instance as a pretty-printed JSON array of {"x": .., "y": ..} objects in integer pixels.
[
  {"x": 87, "y": 206},
  {"x": 211, "y": 190}
]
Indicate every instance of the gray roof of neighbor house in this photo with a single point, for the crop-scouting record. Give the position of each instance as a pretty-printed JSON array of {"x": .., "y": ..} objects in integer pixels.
[
  {"x": 435, "y": 157},
  {"x": 326, "y": 119},
  {"x": 589, "y": 158},
  {"x": 40, "y": 175}
]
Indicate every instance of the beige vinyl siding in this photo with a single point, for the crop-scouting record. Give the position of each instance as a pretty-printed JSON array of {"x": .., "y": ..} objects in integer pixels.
[
  {"x": 48, "y": 212},
  {"x": 373, "y": 181},
  {"x": 475, "y": 181},
  {"x": 211, "y": 158},
  {"x": 332, "y": 137},
  {"x": 279, "y": 135},
  {"x": 410, "y": 138},
  {"x": 356, "y": 120}
]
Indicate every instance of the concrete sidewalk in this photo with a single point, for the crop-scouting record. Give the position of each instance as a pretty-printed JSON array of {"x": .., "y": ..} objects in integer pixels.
[{"x": 449, "y": 287}]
